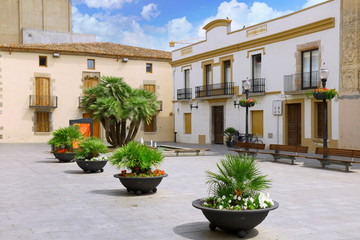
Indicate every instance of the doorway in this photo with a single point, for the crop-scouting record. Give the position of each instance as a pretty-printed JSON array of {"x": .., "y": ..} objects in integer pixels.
[
  {"x": 294, "y": 124},
  {"x": 218, "y": 124}
]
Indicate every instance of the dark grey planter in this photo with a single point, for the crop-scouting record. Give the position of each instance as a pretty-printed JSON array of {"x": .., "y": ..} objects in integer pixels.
[
  {"x": 65, "y": 157},
  {"x": 234, "y": 221},
  {"x": 140, "y": 185},
  {"x": 91, "y": 166},
  {"x": 319, "y": 95}
]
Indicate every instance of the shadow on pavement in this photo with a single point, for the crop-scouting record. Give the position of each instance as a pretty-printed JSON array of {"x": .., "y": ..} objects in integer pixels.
[{"x": 201, "y": 230}]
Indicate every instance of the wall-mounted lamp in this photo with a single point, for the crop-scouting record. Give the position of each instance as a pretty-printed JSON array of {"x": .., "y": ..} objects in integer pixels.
[
  {"x": 56, "y": 55},
  {"x": 194, "y": 104},
  {"x": 236, "y": 101},
  {"x": 124, "y": 60}
]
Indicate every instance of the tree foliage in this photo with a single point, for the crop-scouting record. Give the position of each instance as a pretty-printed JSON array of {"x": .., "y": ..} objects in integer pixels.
[{"x": 119, "y": 108}]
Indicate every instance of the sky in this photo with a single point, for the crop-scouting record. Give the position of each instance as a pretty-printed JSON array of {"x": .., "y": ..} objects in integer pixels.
[{"x": 154, "y": 23}]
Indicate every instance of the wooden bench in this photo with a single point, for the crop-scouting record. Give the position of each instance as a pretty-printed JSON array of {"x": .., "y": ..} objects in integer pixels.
[
  {"x": 339, "y": 156},
  {"x": 189, "y": 150},
  {"x": 287, "y": 151},
  {"x": 249, "y": 148}
]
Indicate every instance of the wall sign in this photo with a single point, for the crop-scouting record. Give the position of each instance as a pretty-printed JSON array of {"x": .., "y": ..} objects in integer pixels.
[{"x": 277, "y": 108}]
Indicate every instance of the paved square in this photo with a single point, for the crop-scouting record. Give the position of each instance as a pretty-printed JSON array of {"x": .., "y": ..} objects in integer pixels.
[{"x": 41, "y": 198}]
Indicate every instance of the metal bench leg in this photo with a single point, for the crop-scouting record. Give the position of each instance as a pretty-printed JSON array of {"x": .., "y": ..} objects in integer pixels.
[
  {"x": 293, "y": 161},
  {"x": 347, "y": 167}
]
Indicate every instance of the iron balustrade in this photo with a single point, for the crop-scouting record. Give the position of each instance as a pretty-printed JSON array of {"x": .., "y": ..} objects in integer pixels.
[
  {"x": 214, "y": 90},
  {"x": 257, "y": 85},
  {"x": 43, "y": 101},
  {"x": 184, "y": 93},
  {"x": 301, "y": 81}
]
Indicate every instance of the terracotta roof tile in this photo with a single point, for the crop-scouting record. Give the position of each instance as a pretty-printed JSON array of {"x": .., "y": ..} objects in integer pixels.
[{"x": 92, "y": 48}]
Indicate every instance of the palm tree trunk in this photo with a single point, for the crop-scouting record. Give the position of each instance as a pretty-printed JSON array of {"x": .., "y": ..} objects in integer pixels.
[
  {"x": 136, "y": 129},
  {"x": 130, "y": 131}
]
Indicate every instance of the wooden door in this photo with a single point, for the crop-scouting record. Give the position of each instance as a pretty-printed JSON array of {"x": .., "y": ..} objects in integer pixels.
[
  {"x": 294, "y": 124},
  {"x": 257, "y": 123},
  {"x": 187, "y": 123},
  {"x": 42, "y": 91},
  {"x": 96, "y": 126},
  {"x": 218, "y": 124}
]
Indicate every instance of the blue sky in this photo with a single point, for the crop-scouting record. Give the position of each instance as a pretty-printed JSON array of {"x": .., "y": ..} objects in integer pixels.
[{"x": 154, "y": 23}]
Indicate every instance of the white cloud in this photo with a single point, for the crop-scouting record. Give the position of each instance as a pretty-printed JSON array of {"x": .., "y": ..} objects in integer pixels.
[
  {"x": 243, "y": 15},
  {"x": 179, "y": 29},
  {"x": 106, "y": 4},
  {"x": 312, "y": 2},
  {"x": 150, "y": 11}
]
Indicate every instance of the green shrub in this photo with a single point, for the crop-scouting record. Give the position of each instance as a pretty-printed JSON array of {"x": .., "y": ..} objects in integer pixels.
[
  {"x": 64, "y": 137},
  {"x": 136, "y": 157},
  {"x": 91, "y": 148}
]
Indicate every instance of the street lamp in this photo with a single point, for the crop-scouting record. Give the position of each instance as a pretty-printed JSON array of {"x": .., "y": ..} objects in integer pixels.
[
  {"x": 324, "y": 73},
  {"x": 247, "y": 86}
]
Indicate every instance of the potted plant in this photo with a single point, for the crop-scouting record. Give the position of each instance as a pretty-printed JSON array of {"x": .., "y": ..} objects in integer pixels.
[
  {"x": 63, "y": 139},
  {"x": 323, "y": 93},
  {"x": 247, "y": 102},
  {"x": 237, "y": 202},
  {"x": 90, "y": 155},
  {"x": 229, "y": 133},
  {"x": 138, "y": 159}
]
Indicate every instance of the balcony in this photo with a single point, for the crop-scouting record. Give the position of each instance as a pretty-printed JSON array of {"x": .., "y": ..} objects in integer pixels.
[
  {"x": 301, "y": 82},
  {"x": 184, "y": 93},
  {"x": 215, "y": 90},
  {"x": 43, "y": 101},
  {"x": 257, "y": 85}
]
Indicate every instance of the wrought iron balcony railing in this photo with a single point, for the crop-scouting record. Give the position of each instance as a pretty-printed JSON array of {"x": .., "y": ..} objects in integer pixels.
[
  {"x": 301, "y": 81},
  {"x": 43, "y": 101},
  {"x": 214, "y": 90},
  {"x": 184, "y": 93},
  {"x": 257, "y": 85}
]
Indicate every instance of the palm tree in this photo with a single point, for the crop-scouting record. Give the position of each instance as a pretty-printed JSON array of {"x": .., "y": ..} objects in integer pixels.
[
  {"x": 114, "y": 103},
  {"x": 237, "y": 175}
]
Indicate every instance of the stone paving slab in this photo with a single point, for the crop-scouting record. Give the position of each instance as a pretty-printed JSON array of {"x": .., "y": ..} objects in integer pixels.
[{"x": 44, "y": 199}]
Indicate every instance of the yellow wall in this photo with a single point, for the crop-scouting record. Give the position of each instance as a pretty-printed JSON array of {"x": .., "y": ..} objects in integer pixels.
[{"x": 18, "y": 72}]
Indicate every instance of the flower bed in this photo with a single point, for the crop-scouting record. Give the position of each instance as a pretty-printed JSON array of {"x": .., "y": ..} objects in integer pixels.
[{"x": 155, "y": 173}]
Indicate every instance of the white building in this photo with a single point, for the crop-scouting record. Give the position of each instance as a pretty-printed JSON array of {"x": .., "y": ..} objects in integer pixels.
[{"x": 281, "y": 58}]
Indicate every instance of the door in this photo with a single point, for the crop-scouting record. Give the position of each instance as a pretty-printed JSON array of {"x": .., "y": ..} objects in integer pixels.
[
  {"x": 42, "y": 91},
  {"x": 257, "y": 123},
  {"x": 96, "y": 126},
  {"x": 294, "y": 124},
  {"x": 218, "y": 124}
]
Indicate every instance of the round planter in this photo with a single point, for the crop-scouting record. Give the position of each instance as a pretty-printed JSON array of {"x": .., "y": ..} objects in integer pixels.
[
  {"x": 251, "y": 104},
  {"x": 65, "y": 157},
  {"x": 319, "y": 95},
  {"x": 235, "y": 221},
  {"x": 91, "y": 166},
  {"x": 140, "y": 185}
]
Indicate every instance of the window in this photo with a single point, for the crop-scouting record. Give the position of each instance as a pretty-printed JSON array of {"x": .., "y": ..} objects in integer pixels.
[
  {"x": 43, "y": 61},
  {"x": 257, "y": 123},
  {"x": 319, "y": 124},
  {"x": 149, "y": 67},
  {"x": 227, "y": 76},
  {"x": 90, "y": 82},
  {"x": 310, "y": 69},
  {"x": 150, "y": 127},
  {"x": 208, "y": 74},
  {"x": 256, "y": 73},
  {"x": 42, "y": 121},
  {"x": 91, "y": 64},
  {"x": 187, "y": 117},
  {"x": 187, "y": 78},
  {"x": 149, "y": 87}
]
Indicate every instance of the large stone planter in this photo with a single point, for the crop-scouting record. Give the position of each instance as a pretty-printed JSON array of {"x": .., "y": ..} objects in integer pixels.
[
  {"x": 140, "y": 185},
  {"x": 233, "y": 220},
  {"x": 91, "y": 166},
  {"x": 65, "y": 157}
]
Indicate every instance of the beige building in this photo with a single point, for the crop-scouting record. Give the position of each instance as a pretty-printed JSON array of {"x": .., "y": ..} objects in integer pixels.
[
  {"x": 41, "y": 84},
  {"x": 38, "y": 21}
]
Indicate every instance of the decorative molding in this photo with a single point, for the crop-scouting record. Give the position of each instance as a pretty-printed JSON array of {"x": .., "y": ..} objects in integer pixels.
[
  {"x": 254, "y": 50},
  {"x": 259, "y": 29},
  {"x": 314, "y": 27},
  {"x": 217, "y": 23},
  {"x": 186, "y": 51},
  {"x": 186, "y": 66}
]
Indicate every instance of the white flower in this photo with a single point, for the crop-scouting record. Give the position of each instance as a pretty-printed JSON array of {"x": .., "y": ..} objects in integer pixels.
[
  {"x": 223, "y": 197},
  {"x": 220, "y": 207},
  {"x": 239, "y": 198},
  {"x": 234, "y": 197},
  {"x": 251, "y": 199},
  {"x": 219, "y": 199},
  {"x": 229, "y": 201},
  {"x": 205, "y": 203}
]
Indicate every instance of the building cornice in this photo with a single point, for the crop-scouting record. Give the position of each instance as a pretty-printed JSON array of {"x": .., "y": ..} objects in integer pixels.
[{"x": 314, "y": 27}]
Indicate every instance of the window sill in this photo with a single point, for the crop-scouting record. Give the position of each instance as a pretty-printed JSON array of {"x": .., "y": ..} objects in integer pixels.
[
  {"x": 150, "y": 133},
  {"x": 42, "y": 133}
]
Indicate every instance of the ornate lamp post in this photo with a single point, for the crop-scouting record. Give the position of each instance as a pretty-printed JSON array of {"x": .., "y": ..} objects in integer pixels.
[
  {"x": 247, "y": 86},
  {"x": 324, "y": 73}
]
